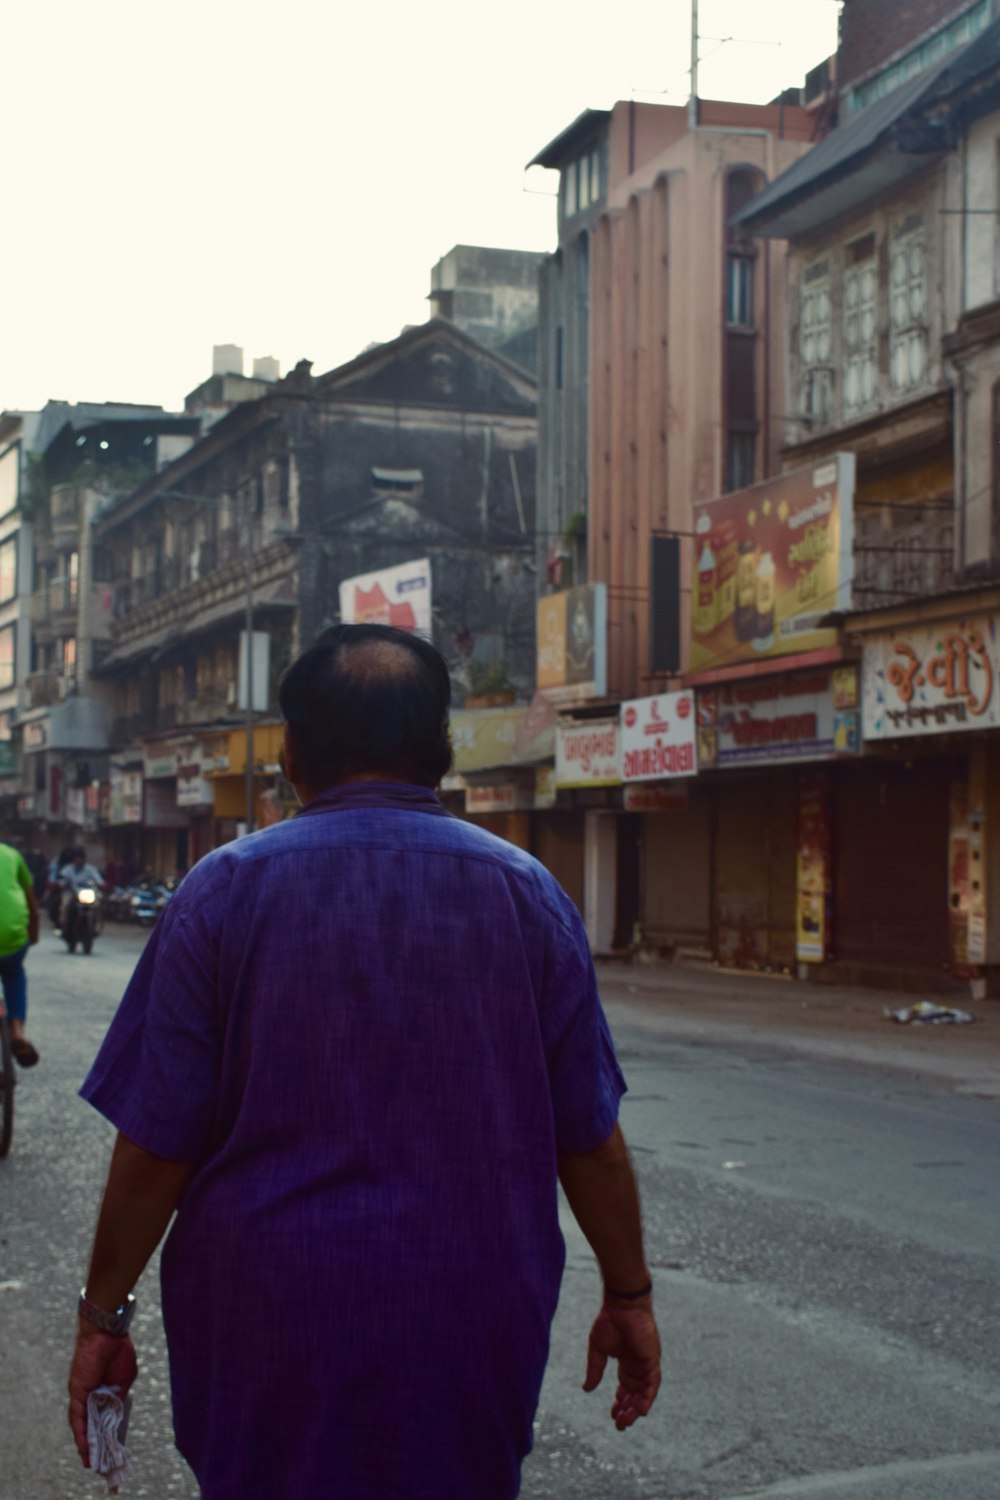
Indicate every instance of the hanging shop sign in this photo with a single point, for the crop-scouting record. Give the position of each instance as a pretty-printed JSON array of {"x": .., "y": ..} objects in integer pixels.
[
  {"x": 587, "y": 753},
  {"x": 159, "y": 762},
  {"x": 771, "y": 563},
  {"x": 658, "y": 737},
  {"x": 932, "y": 679},
  {"x": 398, "y": 596},
  {"x": 193, "y": 789},
  {"x": 572, "y": 637},
  {"x": 125, "y": 796},
  {"x": 814, "y": 869},
  {"x": 766, "y": 719}
]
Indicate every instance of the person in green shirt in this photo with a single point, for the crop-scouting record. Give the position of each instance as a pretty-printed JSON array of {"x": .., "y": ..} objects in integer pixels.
[{"x": 18, "y": 929}]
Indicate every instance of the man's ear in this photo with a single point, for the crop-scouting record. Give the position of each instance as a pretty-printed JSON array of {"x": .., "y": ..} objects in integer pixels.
[{"x": 287, "y": 758}]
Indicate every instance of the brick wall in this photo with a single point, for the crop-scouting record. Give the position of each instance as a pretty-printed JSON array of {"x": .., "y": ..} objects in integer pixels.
[{"x": 872, "y": 31}]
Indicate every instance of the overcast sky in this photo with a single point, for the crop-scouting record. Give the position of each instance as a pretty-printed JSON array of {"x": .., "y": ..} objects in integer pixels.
[{"x": 180, "y": 173}]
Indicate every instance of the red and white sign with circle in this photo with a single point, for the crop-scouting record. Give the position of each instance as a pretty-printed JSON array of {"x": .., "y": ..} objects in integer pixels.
[{"x": 658, "y": 738}]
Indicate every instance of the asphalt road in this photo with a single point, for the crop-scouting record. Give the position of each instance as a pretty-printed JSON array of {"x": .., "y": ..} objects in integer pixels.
[{"x": 825, "y": 1244}]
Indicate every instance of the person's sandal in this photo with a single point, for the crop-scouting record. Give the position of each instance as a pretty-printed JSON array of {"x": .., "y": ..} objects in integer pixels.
[{"x": 25, "y": 1055}]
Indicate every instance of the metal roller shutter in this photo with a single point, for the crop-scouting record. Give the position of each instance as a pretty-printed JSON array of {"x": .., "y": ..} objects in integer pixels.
[
  {"x": 755, "y": 870},
  {"x": 891, "y": 862}
]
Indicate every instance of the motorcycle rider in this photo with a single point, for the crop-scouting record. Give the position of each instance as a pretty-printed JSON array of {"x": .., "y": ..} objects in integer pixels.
[{"x": 75, "y": 876}]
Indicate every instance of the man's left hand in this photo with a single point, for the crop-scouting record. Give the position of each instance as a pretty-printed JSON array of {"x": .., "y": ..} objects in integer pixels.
[{"x": 98, "y": 1359}]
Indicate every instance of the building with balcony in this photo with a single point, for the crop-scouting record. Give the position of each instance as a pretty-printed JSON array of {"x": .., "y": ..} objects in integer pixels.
[
  {"x": 76, "y": 459},
  {"x": 893, "y": 353},
  {"x": 421, "y": 449},
  {"x": 17, "y": 436}
]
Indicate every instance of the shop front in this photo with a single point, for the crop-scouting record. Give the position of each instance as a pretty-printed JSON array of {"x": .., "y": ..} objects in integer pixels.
[
  {"x": 917, "y": 880},
  {"x": 767, "y": 739},
  {"x": 502, "y": 770},
  {"x": 584, "y": 842},
  {"x": 662, "y": 800}
]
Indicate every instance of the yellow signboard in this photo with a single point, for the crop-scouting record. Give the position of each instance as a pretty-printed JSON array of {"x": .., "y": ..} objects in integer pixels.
[
  {"x": 572, "y": 634},
  {"x": 771, "y": 564}
]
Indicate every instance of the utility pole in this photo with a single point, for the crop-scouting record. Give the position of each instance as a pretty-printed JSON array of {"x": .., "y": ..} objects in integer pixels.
[{"x": 693, "y": 99}]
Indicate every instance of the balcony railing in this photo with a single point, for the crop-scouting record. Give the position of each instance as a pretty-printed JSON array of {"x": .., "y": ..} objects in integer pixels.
[
  {"x": 46, "y": 689},
  {"x": 904, "y": 559},
  {"x": 56, "y": 602}
]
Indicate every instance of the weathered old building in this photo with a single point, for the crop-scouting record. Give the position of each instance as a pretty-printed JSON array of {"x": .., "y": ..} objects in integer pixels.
[{"x": 423, "y": 448}]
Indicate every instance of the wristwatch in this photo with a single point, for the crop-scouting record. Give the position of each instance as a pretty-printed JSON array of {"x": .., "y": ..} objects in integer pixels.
[{"x": 116, "y": 1323}]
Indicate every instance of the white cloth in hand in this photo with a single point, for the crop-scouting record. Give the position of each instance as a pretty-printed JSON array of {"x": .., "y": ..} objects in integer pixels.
[{"x": 107, "y": 1424}]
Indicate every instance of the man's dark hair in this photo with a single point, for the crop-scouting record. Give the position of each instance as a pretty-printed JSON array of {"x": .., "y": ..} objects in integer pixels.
[{"x": 368, "y": 698}]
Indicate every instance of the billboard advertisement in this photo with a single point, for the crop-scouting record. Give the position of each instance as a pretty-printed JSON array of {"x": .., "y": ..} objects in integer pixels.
[
  {"x": 398, "y": 596},
  {"x": 572, "y": 639},
  {"x": 770, "y": 564},
  {"x": 658, "y": 737},
  {"x": 932, "y": 679}
]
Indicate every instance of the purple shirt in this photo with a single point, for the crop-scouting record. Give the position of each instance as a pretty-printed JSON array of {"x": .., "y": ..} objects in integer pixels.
[{"x": 372, "y": 1029}]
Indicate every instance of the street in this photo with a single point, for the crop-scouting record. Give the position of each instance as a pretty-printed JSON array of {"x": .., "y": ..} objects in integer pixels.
[{"x": 823, "y": 1235}]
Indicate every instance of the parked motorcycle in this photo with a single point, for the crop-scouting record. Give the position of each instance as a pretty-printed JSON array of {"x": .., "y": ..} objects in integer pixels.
[
  {"x": 148, "y": 902},
  {"x": 81, "y": 918}
]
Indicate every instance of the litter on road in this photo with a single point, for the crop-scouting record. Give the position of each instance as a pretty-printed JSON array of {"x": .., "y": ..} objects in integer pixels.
[{"x": 927, "y": 1013}]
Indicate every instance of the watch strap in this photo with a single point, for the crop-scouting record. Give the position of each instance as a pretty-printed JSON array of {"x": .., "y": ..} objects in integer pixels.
[{"x": 116, "y": 1323}]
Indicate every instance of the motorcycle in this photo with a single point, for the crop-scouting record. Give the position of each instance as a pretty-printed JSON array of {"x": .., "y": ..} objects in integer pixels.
[
  {"x": 148, "y": 902},
  {"x": 81, "y": 918}
]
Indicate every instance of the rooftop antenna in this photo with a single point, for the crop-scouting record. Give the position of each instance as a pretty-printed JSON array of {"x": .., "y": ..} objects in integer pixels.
[{"x": 693, "y": 99}]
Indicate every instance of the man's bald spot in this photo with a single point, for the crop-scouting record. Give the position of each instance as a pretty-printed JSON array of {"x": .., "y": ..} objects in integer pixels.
[{"x": 378, "y": 661}]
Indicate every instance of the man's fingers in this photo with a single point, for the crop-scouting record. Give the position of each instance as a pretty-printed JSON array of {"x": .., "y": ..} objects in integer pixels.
[
  {"x": 78, "y": 1426},
  {"x": 596, "y": 1362}
]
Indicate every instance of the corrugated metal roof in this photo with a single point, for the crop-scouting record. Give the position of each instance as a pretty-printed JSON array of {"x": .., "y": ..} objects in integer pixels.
[{"x": 840, "y": 153}]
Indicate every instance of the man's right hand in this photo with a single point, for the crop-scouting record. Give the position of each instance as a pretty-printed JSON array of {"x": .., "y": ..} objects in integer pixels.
[{"x": 630, "y": 1335}]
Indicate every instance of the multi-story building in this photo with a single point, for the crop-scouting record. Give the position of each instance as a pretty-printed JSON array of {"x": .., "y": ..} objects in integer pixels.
[
  {"x": 81, "y": 456},
  {"x": 894, "y": 359},
  {"x": 17, "y": 437},
  {"x": 661, "y": 381},
  {"x": 421, "y": 449}
]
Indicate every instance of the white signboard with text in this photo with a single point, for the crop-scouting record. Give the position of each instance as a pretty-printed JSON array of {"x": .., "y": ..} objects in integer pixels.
[
  {"x": 658, "y": 737},
  {"x": 398, "y": 596},
  {"x": 932, "y": 679},
  {"x": 587, "y": 753}
]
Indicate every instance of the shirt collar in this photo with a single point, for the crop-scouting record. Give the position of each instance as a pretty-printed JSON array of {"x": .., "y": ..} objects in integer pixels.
[{"x": 399, "y": 794}]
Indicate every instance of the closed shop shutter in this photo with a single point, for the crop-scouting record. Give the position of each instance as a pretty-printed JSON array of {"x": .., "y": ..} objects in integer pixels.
[
  {"x": 755, "y": 870},
  {"x": 891, "y": 862},
  {"x": 559, "y": 847},
  {"x": 676, "y": 862}
]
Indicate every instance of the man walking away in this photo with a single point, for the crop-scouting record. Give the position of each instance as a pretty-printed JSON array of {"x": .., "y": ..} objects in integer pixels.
[
  {"x": 355, "y": 1056},
  {"x": 18, "y": 930}
]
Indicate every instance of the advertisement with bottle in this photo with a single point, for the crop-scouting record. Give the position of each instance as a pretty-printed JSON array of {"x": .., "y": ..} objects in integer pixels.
[{"x": 771, "y": 564}]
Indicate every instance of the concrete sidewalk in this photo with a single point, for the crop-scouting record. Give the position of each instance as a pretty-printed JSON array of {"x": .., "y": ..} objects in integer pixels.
[{"x": 839, "y": 1022}]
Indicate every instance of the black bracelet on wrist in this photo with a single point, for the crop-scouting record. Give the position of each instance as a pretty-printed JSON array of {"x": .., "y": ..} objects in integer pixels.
[{"x": 609, "y": 1291}]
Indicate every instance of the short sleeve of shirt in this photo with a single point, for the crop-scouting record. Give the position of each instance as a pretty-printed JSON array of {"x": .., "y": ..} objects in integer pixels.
[
  {"x": 585, "y": 1080},
  {"x": 156, "y": 1077},
  {"x": 24, "y": 875}
]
